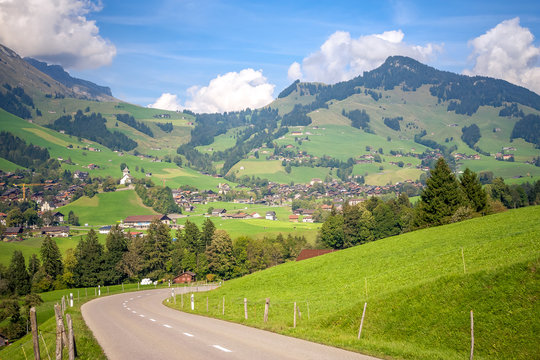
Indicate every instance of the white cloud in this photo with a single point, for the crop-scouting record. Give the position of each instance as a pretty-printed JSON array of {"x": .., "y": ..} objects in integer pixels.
[
  {"x": 341, "y": 57},
  {"x": 507, "y": 52},
  {"x": 167, "y": 101},
  {"x": 233, "y": 91},
  {"x": 55, "y": 31}
]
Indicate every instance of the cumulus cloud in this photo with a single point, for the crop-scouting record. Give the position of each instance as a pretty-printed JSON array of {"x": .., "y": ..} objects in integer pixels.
[
  {"x": 341, "y": 57},
  {"x": 230, "y": 92},
  {"x": 55, "y": 31},
  {"x": 167, "y": 101},
  {"x": 507, "y": 52}
]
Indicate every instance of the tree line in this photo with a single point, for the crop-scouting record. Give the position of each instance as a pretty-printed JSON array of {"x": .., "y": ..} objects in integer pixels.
[
  {"x": 137, "y": 125},
  {"x": 445, "y": 199}
]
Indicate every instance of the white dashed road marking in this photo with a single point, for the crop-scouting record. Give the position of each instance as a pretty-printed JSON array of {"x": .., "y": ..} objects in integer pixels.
[
  {"x": 133, "y": 311},
  {"x": 128, "y": 308},
  {"x": 152, "y": 320},
  {"x": 188, "y": 334},
  {"x": 168, "y": 326},
  {"x": 221, "y": 348},
  {"x": 141, "y": 315}
]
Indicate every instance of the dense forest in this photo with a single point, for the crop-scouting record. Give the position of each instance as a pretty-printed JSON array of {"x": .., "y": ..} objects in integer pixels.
[
  {"x": 528, "y": 129},
  {"x": 16, "y": 150},
  {"x": 393, "y": 123},
  {"x": 167, "y": 127},
  {"x": 92, "y": 127},
  {"x": 470, "y": 135},
  {"x": 16, "y": 101},
  {"x": 137, "y": 125},
  {"x": 359, "y": 118}
]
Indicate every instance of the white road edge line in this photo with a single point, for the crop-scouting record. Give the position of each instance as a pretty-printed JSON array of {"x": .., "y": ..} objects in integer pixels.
[
  {"x": 152, "y": 320},
  {"x": 167, "y": 326},
  {"x": 221, "y": 348},
  {"x": 188, "y": 334},
  {"x": 133, "y": 311}
]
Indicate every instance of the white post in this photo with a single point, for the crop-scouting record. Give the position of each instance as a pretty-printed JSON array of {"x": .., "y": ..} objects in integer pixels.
[
  {"x": 99, "y": 290},
  {"x": 463, "y": 258},
  {"x": 70, "y": 299},
  {"x": 362, "y": 321},
  {"x": 192, "y": 302},
  {"x": 472, "y": 335},
  {"x": 294, "y": 316}
]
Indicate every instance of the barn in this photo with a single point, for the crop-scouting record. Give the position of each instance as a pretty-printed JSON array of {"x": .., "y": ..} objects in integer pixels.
[{"x": 185, "y": 277}]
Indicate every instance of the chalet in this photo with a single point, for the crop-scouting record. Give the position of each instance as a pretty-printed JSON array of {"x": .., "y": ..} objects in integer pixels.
[
  {"x": 236, "y": 216},
  {"x": 307, "y": 219},
  {"x": 13, "y": 231},
  {"x": 136, "y": 234},
  {"x": 354, "y": 202},
  {"x": 219, "y": 212},
  {"x": 105, "y": 229},
  {"x": 3, "y": 217},
  {"x": 293, "y": 218},
  {"x": 309, "y": 253},
  {"x": 55, "y": 231},
  {"x": 4, "y": 341},
  {"x": 81, "y": 175},
  {"x": 58, "y": 217},
  {"x": 271, "y": 215},
  {"x": 255, "y": 215},
  {"x": 315, "y": 181},
  {"x": 185, "y": 277},
  {"x": 47, "y": 206},
  {"x": 143, "y": 221}
]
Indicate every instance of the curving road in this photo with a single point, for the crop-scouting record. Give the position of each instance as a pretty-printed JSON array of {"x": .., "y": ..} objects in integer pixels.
[{"x": 138, "y": 326}]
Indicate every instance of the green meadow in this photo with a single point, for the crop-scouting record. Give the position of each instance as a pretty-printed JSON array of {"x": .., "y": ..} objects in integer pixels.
[
  {"x": 107, "y": 208},
  {"x": 419, "y": 287}
]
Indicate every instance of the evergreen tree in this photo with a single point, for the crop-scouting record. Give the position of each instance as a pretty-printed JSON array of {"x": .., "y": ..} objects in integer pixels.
[
  {"x": 331, "y": 233},
  {"x": 116, "y": 247},
  {"x": 33, "y": 265},
  {"x": 351, "y": 225},
  {"x": 386, "y": 221},
  {"x": 15, "y": 217},
  {"x": 157, "y": 246},
  {"x": 441, "y": 197},
  {"x": 89, "y": 255},
  {"x": 208, "y": 230},
  {"x": 220, "y": 255},
  {"x": 472, "y": 190},
  {"x": 192, "y": 237},
  {"x": 51, "y": 258},
  {"x": 70, "y": 263},
  {"x": 19, "y": 279},
  {"x": 132, "y": 260}
]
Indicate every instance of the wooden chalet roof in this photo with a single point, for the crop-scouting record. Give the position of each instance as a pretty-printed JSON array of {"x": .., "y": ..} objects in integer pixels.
[
  {"x": 310, "y": 253},
  {"x": 145, "y": 218}
]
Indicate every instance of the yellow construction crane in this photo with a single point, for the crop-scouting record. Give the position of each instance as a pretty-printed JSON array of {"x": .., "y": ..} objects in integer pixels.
[{"x": 24, "y": 188}]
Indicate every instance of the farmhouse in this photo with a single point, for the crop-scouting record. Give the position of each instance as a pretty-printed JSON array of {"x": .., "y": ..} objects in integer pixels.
[
  {"x": 55, "y": 231},
  {"x": 185, "y": 277},
  {"x": 14, "y": 231},
  {"x": 218, "y": 212},
  {"x": 143, "y": 221},
  {"x": 293, "y": 218},
  {"x": 271, "y": 215},
  {"x": 105, "y": 229}
]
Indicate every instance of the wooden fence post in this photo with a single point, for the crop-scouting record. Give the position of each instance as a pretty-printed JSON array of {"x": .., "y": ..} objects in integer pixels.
[
  {"x": 463, "y": 258},
  {"x": 35, "y": 336},
  {"x": 245, "y": 309},
  {"x": 207, "y": 304},
  {"x": 362, "y": 321},
  {"x": 472, "y": 335},
  {"x": 294, "y": 316},
  {"x": 266, "y": 305},
  {"x": 71, "y": 342},
  {"x": 63, "y": 305},
  {"x": 223, "y": 306},
  {"x": 59, "y": 331},
  {"x": 182, "y": 299}
]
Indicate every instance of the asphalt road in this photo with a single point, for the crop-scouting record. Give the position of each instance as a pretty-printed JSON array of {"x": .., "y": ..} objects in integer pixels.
[{"x": 137, "y": 325}]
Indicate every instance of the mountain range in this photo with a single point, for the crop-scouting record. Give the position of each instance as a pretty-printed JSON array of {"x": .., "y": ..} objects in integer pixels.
[{"x": 382, "y": 127}]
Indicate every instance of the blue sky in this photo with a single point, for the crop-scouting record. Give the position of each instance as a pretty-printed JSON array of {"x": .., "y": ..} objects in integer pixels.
[{"x": 143, "y": 49}]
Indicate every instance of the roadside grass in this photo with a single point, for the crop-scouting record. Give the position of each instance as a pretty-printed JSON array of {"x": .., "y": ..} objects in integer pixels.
[
  {"x": 87, "y": 345},
  {"x": 418, "y": 289}
]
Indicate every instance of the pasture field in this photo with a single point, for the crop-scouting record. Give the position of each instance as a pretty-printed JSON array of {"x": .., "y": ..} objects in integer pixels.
[
  {"x": 107, "y": 208},
  {"x": 7, "y": 165},
  {"x": 419, "y": 287}
]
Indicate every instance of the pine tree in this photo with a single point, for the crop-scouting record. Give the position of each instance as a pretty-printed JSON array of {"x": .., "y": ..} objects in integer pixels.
[
  {"x": 220, "y": 255},
  {"x": 472, "y": 190},
  {"x": 331, "y": 233},
  {"x": 208, "y": 230},
  {"x": 441, "y": 197},
  {"x": 33, "y": 265},
  {"x": 51, "y": 258},
  {"x": 89, "y": 255},
  {"x": 19, "y": 279},
  {"x": 157, "y": 246},
  {"x": 116, "y": 244}
]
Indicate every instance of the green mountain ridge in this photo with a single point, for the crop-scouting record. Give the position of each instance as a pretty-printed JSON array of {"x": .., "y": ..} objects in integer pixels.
[{"x": 408, "y": 108}]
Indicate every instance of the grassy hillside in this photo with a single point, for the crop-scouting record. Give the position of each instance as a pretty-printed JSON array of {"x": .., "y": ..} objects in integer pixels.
[
  {"x": 107, "y": 208},
  {"x": 418, "y": 289}
]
